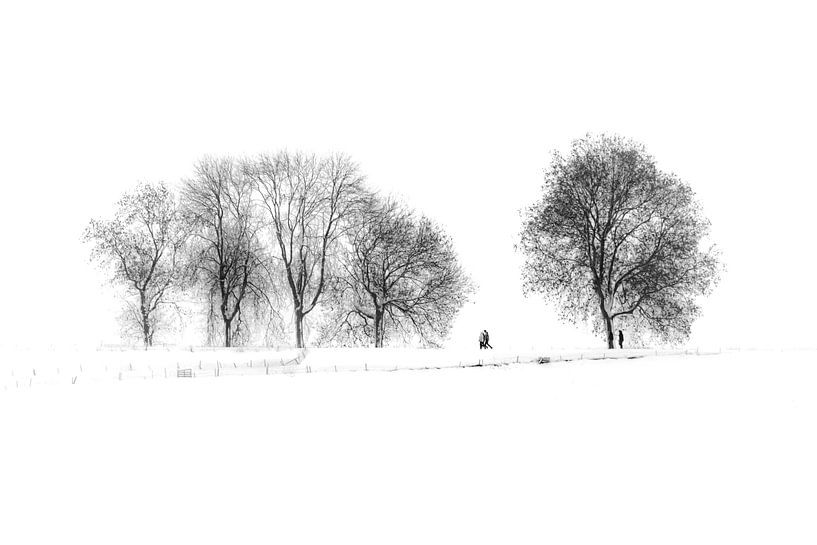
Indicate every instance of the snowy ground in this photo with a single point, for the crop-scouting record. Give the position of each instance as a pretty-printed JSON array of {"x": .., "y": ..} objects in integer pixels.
[{"x": 667, "y": 449}]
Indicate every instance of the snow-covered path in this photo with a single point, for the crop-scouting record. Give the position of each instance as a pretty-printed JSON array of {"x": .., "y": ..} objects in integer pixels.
[{"x": 675, "y": 449}]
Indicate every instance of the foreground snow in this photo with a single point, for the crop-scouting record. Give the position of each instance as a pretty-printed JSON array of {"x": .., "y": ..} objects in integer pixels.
[{"x": 669, "y": 449}]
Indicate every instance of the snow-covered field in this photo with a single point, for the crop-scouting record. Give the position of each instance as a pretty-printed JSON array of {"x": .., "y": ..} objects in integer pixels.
[{"x": 659, "y": 449}]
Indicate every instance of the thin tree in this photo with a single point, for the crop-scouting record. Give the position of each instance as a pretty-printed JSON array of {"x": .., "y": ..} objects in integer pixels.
[
  {"x": 613, "y": 237},
  {"x": 307, "y": 200},
  {"x": 401, "y": 278},
  {"x": 143, "y": 245},
  {"x": 228, "y": 257}
]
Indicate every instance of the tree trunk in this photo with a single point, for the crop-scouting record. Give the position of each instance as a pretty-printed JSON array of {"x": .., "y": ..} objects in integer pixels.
[
  {"x": 146, "y": 335},
  {"x": 145, "y": 320},
  {"x": 299, "y": 329},
  {"x": 609, "y": 323},
  {"x": 225, "y": 296},
  {"x": 378, "y": 327},
  {"x": 228, "y": 333}
]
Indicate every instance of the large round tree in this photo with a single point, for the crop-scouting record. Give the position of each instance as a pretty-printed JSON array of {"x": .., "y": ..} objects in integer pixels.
[{"x": 613, "y": 236}]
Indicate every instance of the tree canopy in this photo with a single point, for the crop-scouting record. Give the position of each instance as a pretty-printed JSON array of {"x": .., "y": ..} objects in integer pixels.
[
  {"x": 228, "y": 255},
  {"x": 307, "y": 201},
  {"x": 400, "y": 277},
  {"x": 615, "y": 238},
  {"x": 143, "y": 245}
]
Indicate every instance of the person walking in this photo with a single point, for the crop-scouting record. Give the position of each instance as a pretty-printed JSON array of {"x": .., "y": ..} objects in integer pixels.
[
  {"x": 485, "y": 339},
  {"x": 620, "y": 339}
]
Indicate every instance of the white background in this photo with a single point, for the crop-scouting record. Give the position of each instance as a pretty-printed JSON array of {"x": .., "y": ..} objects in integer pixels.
[{"x": 456, "y": 106}]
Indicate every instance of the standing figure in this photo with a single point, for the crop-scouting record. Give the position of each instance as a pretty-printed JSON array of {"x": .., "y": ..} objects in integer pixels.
[
  {"x": 620, "y": 339},
  {"x": 485, "y": 336},
  {"x": 481, "y": 340}
]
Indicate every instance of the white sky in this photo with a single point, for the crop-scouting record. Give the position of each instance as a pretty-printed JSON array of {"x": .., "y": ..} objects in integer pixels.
[{"x": 456, "y": 106}]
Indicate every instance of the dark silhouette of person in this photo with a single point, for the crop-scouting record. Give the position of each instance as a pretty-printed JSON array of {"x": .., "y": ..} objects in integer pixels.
[
  {"x": 485, "y": 336},
  {"x": 620, "y": 339},
  {"x": 481, "y": 340}
]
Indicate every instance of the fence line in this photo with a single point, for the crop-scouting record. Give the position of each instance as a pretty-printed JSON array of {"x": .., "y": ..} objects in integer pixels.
[{"x": 292, "y": 366}]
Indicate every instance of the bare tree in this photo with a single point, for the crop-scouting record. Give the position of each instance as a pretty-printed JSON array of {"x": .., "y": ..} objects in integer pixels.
[
  {"x": 615, "y": 234},
  {"x": 402, "y": 278},
  {"x": 307, "y": 200},
  {"x": 143, "y": 245},
  {"x": 228, "y": 257}
]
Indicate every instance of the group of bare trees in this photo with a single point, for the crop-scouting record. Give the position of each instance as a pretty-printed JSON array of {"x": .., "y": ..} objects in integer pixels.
[
  {"x": 268, "y": 241},
  {"x": 265, "y": 241}
]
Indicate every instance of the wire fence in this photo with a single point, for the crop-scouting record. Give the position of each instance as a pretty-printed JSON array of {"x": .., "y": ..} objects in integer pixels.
[{"x": 303, "y": 361}]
